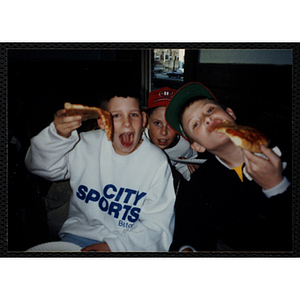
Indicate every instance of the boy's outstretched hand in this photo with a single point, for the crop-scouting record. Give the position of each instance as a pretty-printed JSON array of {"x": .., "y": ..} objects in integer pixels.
[
  {"x": 266, "y": 173},
  {"x": 99, "y": 247},
  {"x": 65, "y": 125}
]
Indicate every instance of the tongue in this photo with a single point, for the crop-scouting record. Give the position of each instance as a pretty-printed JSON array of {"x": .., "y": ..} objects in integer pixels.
[{"x": 126, "y": 139}]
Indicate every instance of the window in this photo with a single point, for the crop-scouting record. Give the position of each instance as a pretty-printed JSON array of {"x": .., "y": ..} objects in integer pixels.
[{"x": 167, "y": 68}]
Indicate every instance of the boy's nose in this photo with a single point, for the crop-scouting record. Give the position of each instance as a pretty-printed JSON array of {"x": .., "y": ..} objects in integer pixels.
[
  {"x": 126, "y": 122},
  {"x": 208, "y": 120},
  {"x": 164, "y": 130}
]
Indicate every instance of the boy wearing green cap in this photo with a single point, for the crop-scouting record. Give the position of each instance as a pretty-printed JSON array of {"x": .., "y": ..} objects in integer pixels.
[{"x": 236, "y": 200}]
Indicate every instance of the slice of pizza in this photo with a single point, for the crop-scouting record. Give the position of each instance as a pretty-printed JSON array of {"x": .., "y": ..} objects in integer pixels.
[
  {"x": 242, "y": 136},
  {"x": 88, "y": 112}
]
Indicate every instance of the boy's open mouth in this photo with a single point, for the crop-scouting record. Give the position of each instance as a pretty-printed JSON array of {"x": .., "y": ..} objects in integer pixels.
[
  {"x": 162, "y": 142},
  {"x": 126, "y": 139},
  {"x": 212, "y": 126}
]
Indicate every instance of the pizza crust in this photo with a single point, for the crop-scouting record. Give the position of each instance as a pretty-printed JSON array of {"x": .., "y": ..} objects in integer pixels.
[
  {"x": 88, "y": 112},
  {"x": 243, "y": 136}
]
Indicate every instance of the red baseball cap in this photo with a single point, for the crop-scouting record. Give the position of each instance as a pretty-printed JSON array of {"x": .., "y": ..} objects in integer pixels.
[{"x": 160, "y": 97}]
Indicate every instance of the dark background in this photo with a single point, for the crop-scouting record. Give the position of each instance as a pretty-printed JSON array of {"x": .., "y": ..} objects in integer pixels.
[{"x": 40, "y": 81}]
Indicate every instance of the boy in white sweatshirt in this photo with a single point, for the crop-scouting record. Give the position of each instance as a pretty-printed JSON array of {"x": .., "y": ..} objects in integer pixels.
[{"x": 120, "y": 200}]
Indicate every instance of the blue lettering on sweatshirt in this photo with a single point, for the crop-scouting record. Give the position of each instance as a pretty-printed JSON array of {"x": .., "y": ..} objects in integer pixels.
[
  {"x": 82, "y": 189},
  {"x": 119, "y": 203},
  {"x": 93, "y": 195}
]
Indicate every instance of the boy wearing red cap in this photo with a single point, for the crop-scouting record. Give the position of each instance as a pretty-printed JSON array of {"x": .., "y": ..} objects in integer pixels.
[
  {"x": 236, "y": 200},
  {"x": 162, "y": 135}
]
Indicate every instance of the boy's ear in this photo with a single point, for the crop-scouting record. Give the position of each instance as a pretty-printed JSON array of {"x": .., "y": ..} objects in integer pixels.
[
  {"x": 100, "y": 123},
  {"x": 145, "y": 119},
  {"x": 197, "y": 147},
  {"x": 231, "y": 113}
]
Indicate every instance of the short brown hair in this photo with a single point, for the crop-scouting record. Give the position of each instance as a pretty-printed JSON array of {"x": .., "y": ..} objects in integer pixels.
[{"x": 119, "y": 91}]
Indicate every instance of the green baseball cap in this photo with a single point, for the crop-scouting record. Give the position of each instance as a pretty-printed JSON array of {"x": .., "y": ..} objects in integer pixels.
[{"x": 186, "y": 92}]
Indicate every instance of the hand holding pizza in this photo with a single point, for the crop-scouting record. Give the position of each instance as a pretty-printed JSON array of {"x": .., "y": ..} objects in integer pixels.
[
  {"x": 65, "y": 124},
  {"x": 91, "y": 112},
  {"x": 265, "y": 172}
]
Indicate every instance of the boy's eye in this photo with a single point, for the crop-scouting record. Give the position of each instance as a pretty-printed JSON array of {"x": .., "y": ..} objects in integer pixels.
[
  {"x": 210, "y": 110},
  {"x": 195, "y": 125},
  {"x": 156, "y": 123},
  {"x": 134, "y": 115},
  {"x": 116, "y": 115}
]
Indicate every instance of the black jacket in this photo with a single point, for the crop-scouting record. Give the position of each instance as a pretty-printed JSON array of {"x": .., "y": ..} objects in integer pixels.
[{"x": 216, "y": 211}]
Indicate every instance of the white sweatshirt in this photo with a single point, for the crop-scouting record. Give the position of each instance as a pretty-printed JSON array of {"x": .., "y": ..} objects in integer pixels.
[
  {"x": 182, "y": 148},
  {"x": 125, "y": 201}
]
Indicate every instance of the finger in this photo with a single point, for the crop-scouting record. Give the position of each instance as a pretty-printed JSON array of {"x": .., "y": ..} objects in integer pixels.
[
  {"x": 191, "y": 168},
  {"x": 250, "y": 165},
  {"x": 255, "y": 159},
  {"x": 249, "y": 158},
  {"x": 70, "y": 119},
  {"x": 60, "y": 112},
  {"x": 61, "y": 118},
  {"x": 269, "y": 153},
  {"x": 65, "y": 129},
  {"x": 69, "y": 122},
  {"x": 250, "y": 155},
  {"x": 70, "y": 128},
  {"x": 246, "y": 159}
]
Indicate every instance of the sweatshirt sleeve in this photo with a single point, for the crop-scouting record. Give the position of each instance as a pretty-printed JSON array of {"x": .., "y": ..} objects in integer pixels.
[
  {"x": 183, "y": 168},
  {"x": 153, "y": 231},
  {"x": 47, "y": 154}
]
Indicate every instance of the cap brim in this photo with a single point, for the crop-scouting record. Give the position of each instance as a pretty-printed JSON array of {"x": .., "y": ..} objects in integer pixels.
[{"x": 188, "y": 91}]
